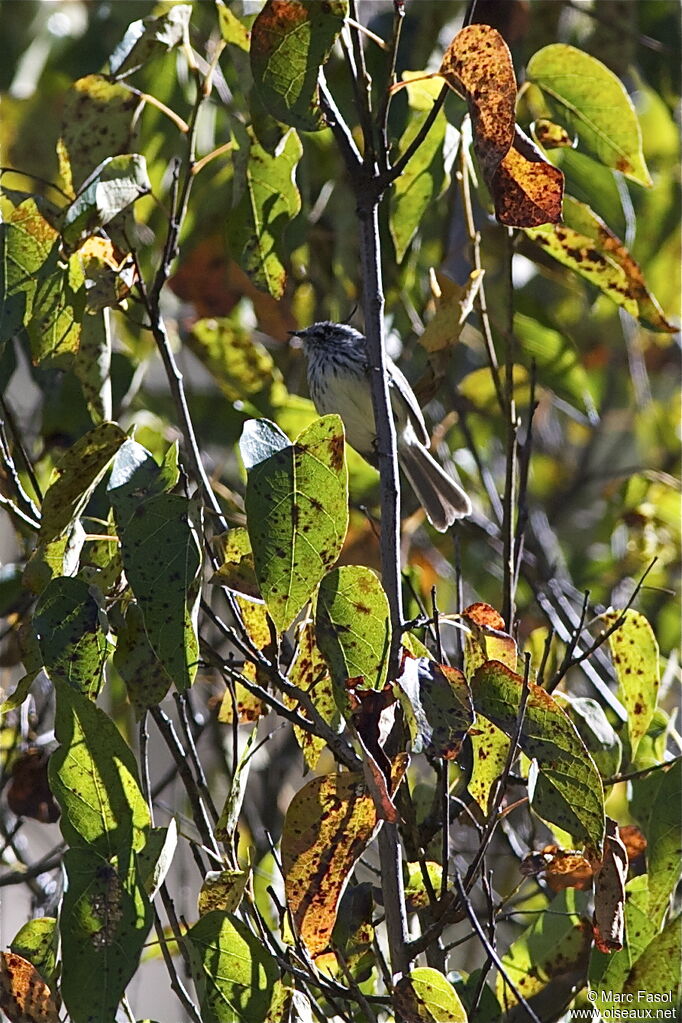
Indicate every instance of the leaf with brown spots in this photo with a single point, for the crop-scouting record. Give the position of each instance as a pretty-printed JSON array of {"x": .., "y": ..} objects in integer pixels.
[
  {"x": 328, "y": 825},
  {"x": 267, "y": 200},
  {"x": 310, "y": 673},
  {"x": 568, "y": 789},
  {"x": 104, "y": 921},
  {"x": 24, "y": 995},
  {"x": 75, "y": 476},
  {"x": 249, "y": 707},
  {"x": 556, "y": 944},
  {"x": 424, "y": 995},
  {"x": 609, "y": 892},
  {"x": 297, "y": 509},
  {"x": 436, "y": 701},
  {"x": 526, "y": 189},
  {"x": 550, "y": 135},
  {"x": 223, "y": 890},
  {"x": 98, "y": 122},
  {"x": 593, "y": 102},
  {"x": 560, "y": 868},
  {"x": 586, "y": 245},
  {"x": 634, "y": 652},
  {"x": 352, "y": 628},
  {"x": 486, "y": 640},
  {"x": 290, "y": 41},
  {"x": 69, "y": 628}
]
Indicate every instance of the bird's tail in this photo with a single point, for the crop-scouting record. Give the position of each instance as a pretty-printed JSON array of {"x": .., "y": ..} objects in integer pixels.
[{"x": 442, "y": 499}]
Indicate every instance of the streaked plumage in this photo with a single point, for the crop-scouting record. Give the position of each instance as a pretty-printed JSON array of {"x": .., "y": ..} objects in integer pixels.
[{"x": 338, "y": 379}]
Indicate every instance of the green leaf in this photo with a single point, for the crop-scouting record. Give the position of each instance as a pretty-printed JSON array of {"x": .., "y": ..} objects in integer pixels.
[
  {"x": 60, "y": 557},
  {"x": 104, "y": 921},
  {"x": 111, "y": 188},
  {"x": 97, "y": 123},
  {"x": 162, "y": 558},
  {"x": 352, "y": 626},
  {"x": 634, "y": 652},
  {"x": 664, "y": 834},
  {"x": 92, "y": 364},
  {"x": 608, "y": 973},
  {"x": 594, "y": 728},
  {"x": 146, "y": 679},
  {"x": 436, "y": 701},
  {"x": 424, "y": 994},
  {"x": 267, "y": 199},
  {"x": 297, "y": 510},
  {"x": 594, "y": 104},
  {"x": 568, "y": 791},
  {"x": 75, "y": 477},
  {"x": 232, "y": 808},
  {"x": 585, "y": 244},
  {"x": 556, "y": 943},
  {"x": 37, "y": 290},
  {"x": 558, "y": 363},
  {"x": 150, "y": 37},
  {"x": 241, "y": 366},
  {"x": 222, "y": 890},
  {"x": 38, "y": 942},
  {"x": 657, "y": 973},
  {"x": 233, "y": 971},
  {"x": 68, "y": 626},
  {"x": 93, "y": 776},
  {"x": 423, "y": 179},
  {"x": 135, "y": 477},
  {"x": 289, "y": 43},
  {"x": 231, "y": 29}
]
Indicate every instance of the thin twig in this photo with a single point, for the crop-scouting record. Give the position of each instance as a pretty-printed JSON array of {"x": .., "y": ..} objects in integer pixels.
[{"x": 473, "y": 919}]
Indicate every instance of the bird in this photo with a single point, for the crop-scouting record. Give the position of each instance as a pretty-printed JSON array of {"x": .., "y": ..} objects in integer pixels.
[{"x": 338, "y": 370}]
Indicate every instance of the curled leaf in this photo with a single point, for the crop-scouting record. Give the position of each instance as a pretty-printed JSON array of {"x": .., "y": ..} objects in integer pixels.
[
  {"x": 526, "y": 189},
  {"x": 609, "y": 892}
]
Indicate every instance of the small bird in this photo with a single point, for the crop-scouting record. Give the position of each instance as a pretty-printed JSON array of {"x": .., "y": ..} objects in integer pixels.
[{"x": 338, "y": 379}]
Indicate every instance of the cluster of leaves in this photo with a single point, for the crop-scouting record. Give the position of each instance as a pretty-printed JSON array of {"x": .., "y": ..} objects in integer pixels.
[{"x": 252, "y": 593}]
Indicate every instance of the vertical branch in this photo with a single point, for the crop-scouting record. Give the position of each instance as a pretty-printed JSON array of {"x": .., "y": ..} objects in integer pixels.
[{"x": 510, "y": 483}]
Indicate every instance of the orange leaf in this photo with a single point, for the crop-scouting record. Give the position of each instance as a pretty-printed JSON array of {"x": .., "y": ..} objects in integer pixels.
[
  {"x": 478, "y": 63},
  {"x": 24, "y": 995},
  {"x": 526, "y": 189},
  {"x": 561, "y": 868},
  {"x": 328, "y": 825}
]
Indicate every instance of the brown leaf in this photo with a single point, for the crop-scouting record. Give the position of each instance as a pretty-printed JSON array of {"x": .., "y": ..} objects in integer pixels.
[
  {"x": 24, "y": 995},
  {"x": 609, "y": 892},
  {"x": 561, "y": 868},
  {"x": 478, "y": 64},
  {"x": 28, "y": 793},
  {"x": 526, "y": 189},
  {"x": 634, "y": 841}
]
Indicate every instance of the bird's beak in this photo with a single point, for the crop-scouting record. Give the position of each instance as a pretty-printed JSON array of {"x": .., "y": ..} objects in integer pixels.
[{"x": 295, "y": 339}]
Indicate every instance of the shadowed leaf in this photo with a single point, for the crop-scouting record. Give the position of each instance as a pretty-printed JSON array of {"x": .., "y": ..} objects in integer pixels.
[
  {"x": 68, "y": 626},
  {"x": 424, "y": 995},
  {"x": 38, "y": 941},
  {"x": 148, "y": 37},
  {"x": 436, "y": 701},
  {"x": 233, "y": 971},
  {"x": 290, "y": 40},
  {"x": 568, "y": 790},
  {"x": 586, "y": 245}
]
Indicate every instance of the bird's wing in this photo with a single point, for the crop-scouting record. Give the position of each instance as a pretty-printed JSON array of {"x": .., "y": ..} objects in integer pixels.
[{"x": 404, "y": 400}]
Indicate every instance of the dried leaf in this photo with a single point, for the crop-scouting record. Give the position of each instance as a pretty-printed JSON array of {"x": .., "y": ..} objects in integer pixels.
[
  {"x": 29, "y": 793},
  {"x": 526, "y": 189},
  {"x": 561, "y": 868},
  {"x": 24, "y": 995},
  {"x": 609, "y": 892}
]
